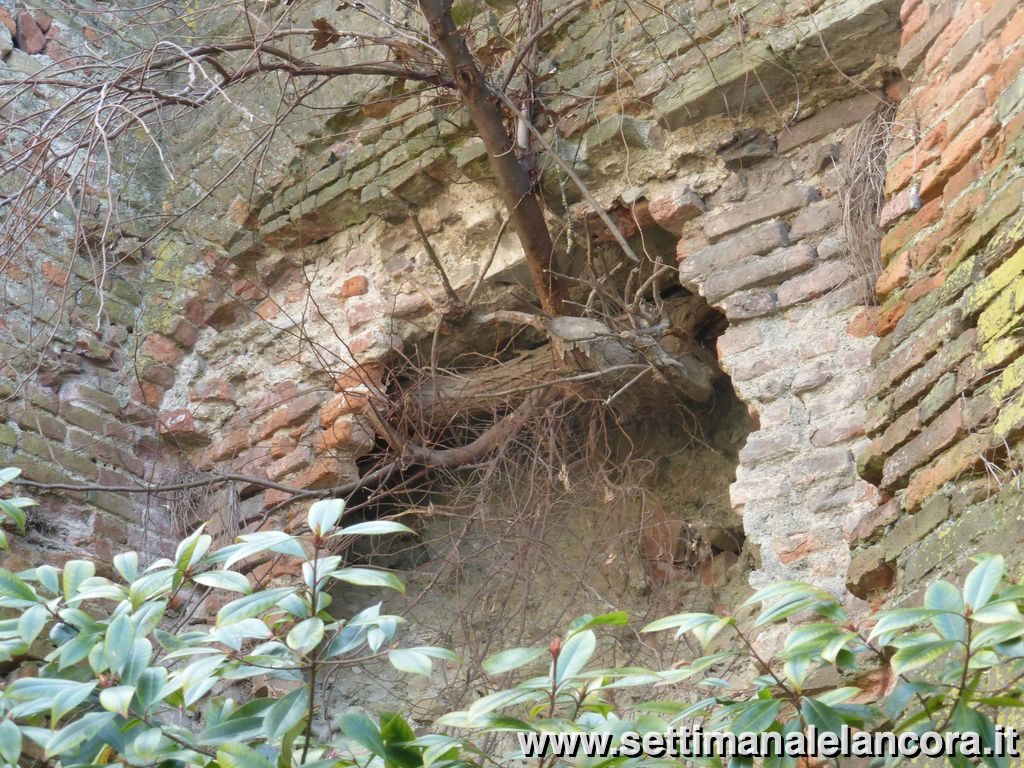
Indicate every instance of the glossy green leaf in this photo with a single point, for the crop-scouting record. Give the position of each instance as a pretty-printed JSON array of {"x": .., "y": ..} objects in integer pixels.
[
  {"x": 229, "y": 580},
  {"x": 368, "y": 577},
  {"x": 117, "y": 699},
  {"x": 12, "y": 586},
  {"x": 74, "y": 573},
  {"x": 983, "y": 580},
  {"x": 324, "y": 515},
  {"x": 10, "y": 742},
  {"x": 233, "y": 755},
  {"x": 285, "y": 713},
  {"x": 251, "y": 605},
  {"x": 374, "y": 528},
  {"x": 74, "y": 734},
  {"x": 127, "y": 564},
  {"x": 916, "y": 656},
  {"x": 31, "y": 623},
  {"x": 820, "y": 715},
  {"x": 513, "y": 658},
  {"x": 118, "y": 643},
  {"x": 410, "y": 661},
  {"x": 574, "y": 655},
  {"x": 306, "y": 635},
  {"x": 754, "y": 716}
]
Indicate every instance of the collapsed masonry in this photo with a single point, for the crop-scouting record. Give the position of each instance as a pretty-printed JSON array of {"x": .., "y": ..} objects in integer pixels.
[{"x": 248, "y": 340}]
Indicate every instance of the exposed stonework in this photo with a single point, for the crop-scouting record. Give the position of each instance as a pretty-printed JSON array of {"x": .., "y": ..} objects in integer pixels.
[
  {"x": 245, "y": 339},
  {"x": 945, "y": 409}
]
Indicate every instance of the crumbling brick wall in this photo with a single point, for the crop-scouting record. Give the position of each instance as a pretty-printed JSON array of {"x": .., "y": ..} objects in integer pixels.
[{"x": 945, "y": 409}]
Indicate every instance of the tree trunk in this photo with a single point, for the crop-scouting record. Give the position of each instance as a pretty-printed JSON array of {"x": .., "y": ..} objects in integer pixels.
[{"x": 514, "y": 183}]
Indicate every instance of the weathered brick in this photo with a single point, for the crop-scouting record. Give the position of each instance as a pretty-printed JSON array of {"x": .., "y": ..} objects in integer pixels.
[
  {"x": 957, "y": 153},
  {"x": 811, "y": 285},
  {"x": 773, "y": 268},
  {"x": 753, "y": 211},
  {"x": 869, "y": 572},
  {"x": 8, "y": 436},
  {"x": 840, "y": 429},
  {"x": 962, "y": 458},
  {"x": 875, "y": 521},
  {"x": 941, "y": 433},
  {"x": 697, "y": 264},
  {"x": 827, "y": 120},
  {"x": 816, "y": 218},
  {"x": 291, "y": 413},
  {"x": 228, "y": 446},
  {"x": 872, "y": 459},
  {"x": 180, "y": 426},
  {"x": 161, "y": 349},
  {"x": 674, "y": 207},
  {"x": 107, "y": 451},
  {"x": 58, "y": 455},
  {"x": 357, "y": 285},
  {"x": 749, "y": 304},
  {"x": 766, "y": 445},
  {"x": 117, "y": 504},
  {"x": 288, "y": 465},
  {"x": 40, "y": 422}
]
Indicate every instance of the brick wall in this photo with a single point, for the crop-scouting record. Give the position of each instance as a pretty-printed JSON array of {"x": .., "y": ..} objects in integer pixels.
[
  {"x": 725, "y": 162},
  {"x": 67, "y": 344},
  {"x": 946, "y": 412}
]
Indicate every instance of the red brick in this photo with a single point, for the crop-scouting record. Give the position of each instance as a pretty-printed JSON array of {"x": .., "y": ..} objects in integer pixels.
[
  {"x": 8, "y": 21},
  {"x": 326, "y": 472},
  {"x": 864, "y": 323},
  {"x": 960, "y": 180},
  {"x": 895, "y": 275},
  {"x": 875, "y": 520},
  {"x": 211, "y": 390},
  {"x": 949, "y": 37},
  {"x": 961, "y": 459},
  {"x": 914, "y": 21},
  {"x": 369, "y": 375},
  {"x": 268, "y": 310},
  {"x": 290, "y": 413},
  {"x": 1008, "y": 70},
  {"x": 289, "y": 464},
  {"x": 356, "y": 285},
  {"x": 147, "y": 393},
  {"x": 185, "y": 333},
  {"x": 673, "y": 208},
  {"x": 162, "y": 349},
  {"x": 1014, "y": 31},
  {"x": 29, "y": 36},
  {"x": 359, "y": 313},
  {"x": 179, "y": 424},
  {"x": 957, "y": 153},
  {"x": 946, "y": 429},
  {"x": 229, "y": 446},
  {"x": 55, "y": 274},
  {"x": 969, "y": 107},
  {"x": 342, "y": 434}
]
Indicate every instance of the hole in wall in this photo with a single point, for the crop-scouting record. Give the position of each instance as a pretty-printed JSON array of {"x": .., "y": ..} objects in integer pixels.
[{"x": 590, "y": 508}]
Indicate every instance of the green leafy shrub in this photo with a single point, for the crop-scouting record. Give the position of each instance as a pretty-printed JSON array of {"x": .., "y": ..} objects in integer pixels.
[
  {"x": 11, "y": 510},
  {"x": 123, "y": 682},
  {"x": 105, "y": 674}
]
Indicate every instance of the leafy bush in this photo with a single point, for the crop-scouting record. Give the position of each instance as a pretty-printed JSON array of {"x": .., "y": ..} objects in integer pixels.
[
  {"x": 11, "y": 510},
  {"x": 120, "y": 680},
  {"x": 949, "y": 666}
]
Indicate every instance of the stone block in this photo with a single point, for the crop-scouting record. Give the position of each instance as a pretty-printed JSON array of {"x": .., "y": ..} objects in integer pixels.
[
  {"x": 696, "y": 264},
  {"x": 771, "y": 269},
  {"x": 940, "y": 434},
  {"x": 752, "y": 212},
  {"x": 827, "y": 120},
  {"x": 674, "y": 207},
  {"x": 814, "y": 284}
]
